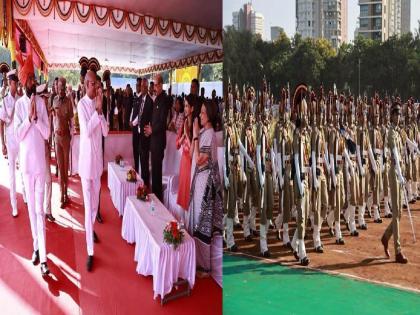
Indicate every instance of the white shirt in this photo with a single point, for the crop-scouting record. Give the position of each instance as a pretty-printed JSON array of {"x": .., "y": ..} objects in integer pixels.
[
  {"x": 92, "y": 128},
  {"x": 31, "y": 136},
  {"x": 6, "y": 114}
]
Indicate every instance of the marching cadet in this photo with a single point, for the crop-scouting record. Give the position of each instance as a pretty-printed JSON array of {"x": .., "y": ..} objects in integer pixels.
[
  {"x": 251, "y": 196},
  {"x": 337, "y": 156},
  {"x": 318, "y": 165},
  {"x": 362, "y": 155},
  {"x": 284, "y": 138},
  {"x": 409, "y": 137},
  {"x": 376, "y": 161},
  {"x": 265, "y": 167},
  {"x": 232, "y": 166},
  {"x": 301, "y": 167},
  {"x": 351, "y": 131},
  {"x": 386, "y": 157},
  {"x": 396, "y": 183}
]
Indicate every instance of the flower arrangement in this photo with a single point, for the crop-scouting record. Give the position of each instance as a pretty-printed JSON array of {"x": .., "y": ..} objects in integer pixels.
[
  {"x": 132, "y": 175},
  {"x": 142, "y": 193},
  {"x": 172, "y": 234},
  {"x": 118, "y": 159}
]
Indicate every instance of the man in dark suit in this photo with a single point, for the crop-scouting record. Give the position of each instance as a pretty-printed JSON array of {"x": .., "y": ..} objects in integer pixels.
[
  {"x": 157, "y": 133},
  {"x": 134, "y": 124},
  {"x": 144, "y": 118}
]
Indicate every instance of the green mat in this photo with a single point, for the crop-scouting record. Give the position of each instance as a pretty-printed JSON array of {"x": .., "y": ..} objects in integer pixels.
[{"x": 254, "y": 287}]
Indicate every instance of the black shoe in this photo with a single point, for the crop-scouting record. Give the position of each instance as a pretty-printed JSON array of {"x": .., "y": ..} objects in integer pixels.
[
  {"x": 389, "y": 216},
  {"x": 95, "y": 237},
  {"x": 271, "y": 227},
  {"x": 233, "y": 249},
  {"x": 354, "y": 233},
  {"x": 237, "y": 226},
  {"x": 248, "y": 238},
  {"x": 340, "y": 241},
  {"x": 296, "y": 255},
  {"x": 369, "y": 214},
  {"x": 363, "y": 227},
  {"x": 289, "y": 245},
  {"x": 400, "y": 258},
  {"x": 49, "y": 217},
  {"x": 412, "y": 201},
  {"x": 89, "y": 263},
  {"x": 319, "y": 249},
  {"x": 266, "y": 254},
  {"x": 331, "y": 231},
  {"x": 378, "y": 220},
  {"x": 255, "y": 233},
  {"x": 35, "y": 257},
  {"x": 305, "y": 261},
  {"x": 44, "y": 269},
  {"x": 405, "y": 206}
]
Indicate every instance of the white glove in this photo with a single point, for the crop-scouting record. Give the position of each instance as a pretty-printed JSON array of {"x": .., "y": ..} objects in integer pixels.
[
  {"x": 281, "y": 182},
  {"x": 402, "y": 180}
]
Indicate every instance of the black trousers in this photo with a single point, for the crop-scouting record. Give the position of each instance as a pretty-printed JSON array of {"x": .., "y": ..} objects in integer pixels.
[
  {"x": 157, "y": 159},
  {"x": 136, "y": 150},
  {"x": 144, "y": 163}
]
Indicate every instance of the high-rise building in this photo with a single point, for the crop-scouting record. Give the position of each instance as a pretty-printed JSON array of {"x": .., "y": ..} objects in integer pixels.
[
  {"x": 275, "y": 32},
  {"x": 248, "y": 19},
  {"x": 322, "y": 19},
  {"x": 381, "y": 19}
]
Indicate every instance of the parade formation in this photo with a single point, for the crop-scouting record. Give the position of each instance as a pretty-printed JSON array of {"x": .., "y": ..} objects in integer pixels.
[{"x": 331, "y": 158}]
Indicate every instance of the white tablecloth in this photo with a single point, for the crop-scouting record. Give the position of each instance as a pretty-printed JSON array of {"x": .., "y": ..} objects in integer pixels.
[
  {"x": 119, "y": 187},
  {"x": 115, "y": 143},
  {"x": 153, "y": 255}
]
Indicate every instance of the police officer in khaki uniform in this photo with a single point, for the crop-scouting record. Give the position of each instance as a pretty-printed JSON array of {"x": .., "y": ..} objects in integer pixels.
[
  {"x": 265, "y": 167},
  {"x": 376, "y": 160},
  {"x": 396, "y": 182},
  {"x": 62, "y": 120},
  {"x": 386, "y": 157},
  {"x": 301, "y": 172}
]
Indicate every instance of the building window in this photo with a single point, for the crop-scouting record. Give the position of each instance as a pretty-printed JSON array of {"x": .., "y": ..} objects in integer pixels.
[
  {"x": 364, "y": 10},
  {"x": 377, "y": 25},
  {"x": 364, "y": 23},
  {"x": 378, "y": 9},
  {"x": 309, "y": 23}
]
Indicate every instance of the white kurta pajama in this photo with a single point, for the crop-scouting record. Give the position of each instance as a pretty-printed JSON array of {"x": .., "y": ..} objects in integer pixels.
[
  {"x": 92, "y": 128},
  {"x": 31, "y": 137},
  {"x": 6, "y": 115}
]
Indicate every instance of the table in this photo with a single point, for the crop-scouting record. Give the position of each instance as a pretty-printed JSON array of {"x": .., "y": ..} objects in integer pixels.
[
  {"x": 117, "y": 142},
  {"x": 119, "y": 187},
  {"x": 155, "y": 257}
]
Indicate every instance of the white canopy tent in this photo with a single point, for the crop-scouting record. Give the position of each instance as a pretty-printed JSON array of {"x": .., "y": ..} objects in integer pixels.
[{"x": 125, "y": 36}]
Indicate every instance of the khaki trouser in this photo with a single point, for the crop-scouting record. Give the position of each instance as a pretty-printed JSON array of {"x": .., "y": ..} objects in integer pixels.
[
  {"x": 268, "y": 202},
  {"x": 353, "y": 185},
  {"x": 302, "y": 207},
  {"x": 337, "y": 196},
  {"x": 62, "y": 150},
  {"x": 363, "y": 187},
  {"x": 385, "y": 179},
  {"x": 287, "y": 194},
  {"x": 396, "y": 205},
  {"x": 320, "y": 199},
  {"x": 232, "y": 192},
  {"x": 375, "y": 184},
  {"x": 252, "y": 193}
]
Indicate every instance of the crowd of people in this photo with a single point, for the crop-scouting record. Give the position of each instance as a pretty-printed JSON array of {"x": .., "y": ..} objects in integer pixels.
[
  {"x": 332, "y": 159},
  {"x": 34, "y": 122}
]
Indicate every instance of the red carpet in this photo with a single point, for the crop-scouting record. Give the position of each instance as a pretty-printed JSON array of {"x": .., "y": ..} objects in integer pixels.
[{"x": 113, "y": 287}]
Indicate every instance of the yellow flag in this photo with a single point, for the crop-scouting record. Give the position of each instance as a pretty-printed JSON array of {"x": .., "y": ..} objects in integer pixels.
[{"x": 185, "y": 75}]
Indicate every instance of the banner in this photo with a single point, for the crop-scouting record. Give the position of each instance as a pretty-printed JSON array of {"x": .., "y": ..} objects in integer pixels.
[{"x": 186, "y": 75}]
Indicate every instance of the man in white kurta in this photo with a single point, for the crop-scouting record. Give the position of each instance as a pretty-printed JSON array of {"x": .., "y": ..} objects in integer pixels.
[
  {"x": 10, "y": 146},
  {"x": 31, "y": 130},
  {"x": 93, "y": 126}
]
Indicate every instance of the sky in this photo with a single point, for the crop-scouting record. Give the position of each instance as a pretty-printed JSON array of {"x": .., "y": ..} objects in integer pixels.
[{"x": 282, "y": 13}]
